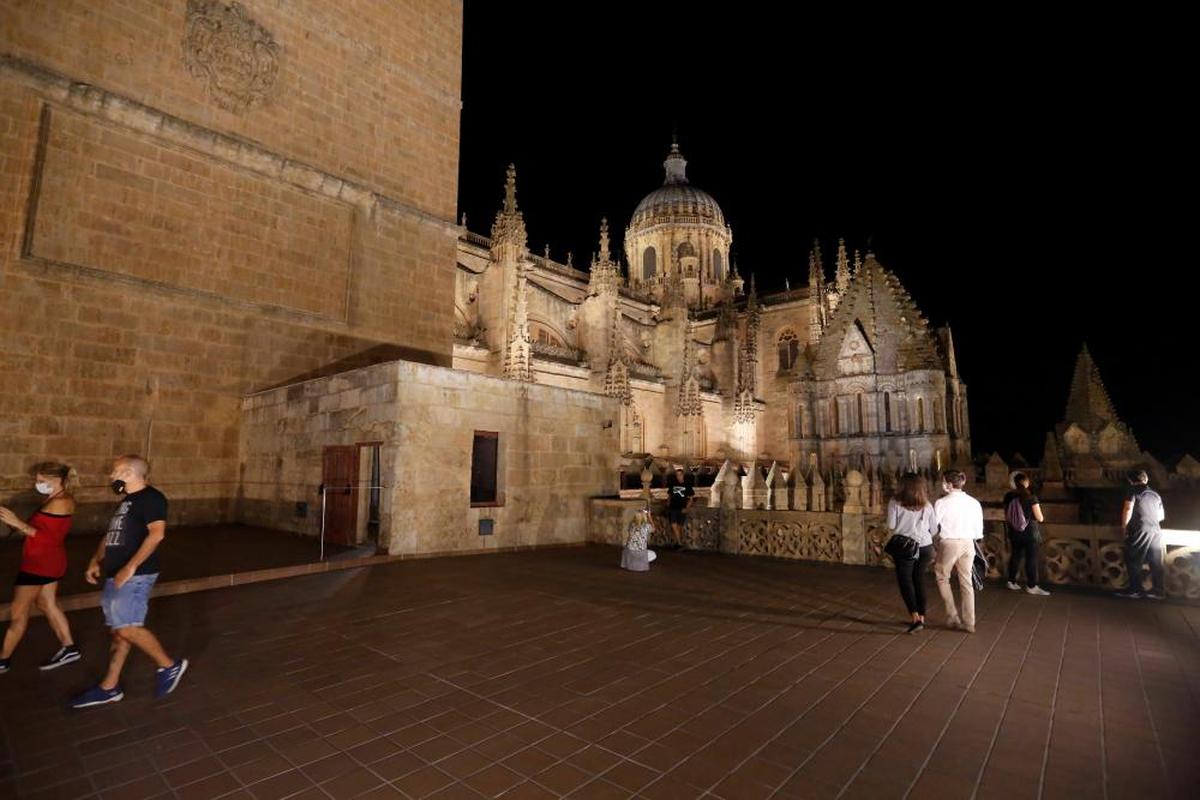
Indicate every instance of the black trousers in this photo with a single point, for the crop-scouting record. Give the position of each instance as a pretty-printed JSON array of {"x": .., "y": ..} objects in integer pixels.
[
  {"x": 1025, "y": 550},
  {"x": 1144, "y": 546},
  {"x": 910, "y": 575}
]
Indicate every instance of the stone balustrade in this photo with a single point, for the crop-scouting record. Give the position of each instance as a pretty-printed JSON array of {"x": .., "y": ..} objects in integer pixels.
[{"x": 1075, "y": 555}]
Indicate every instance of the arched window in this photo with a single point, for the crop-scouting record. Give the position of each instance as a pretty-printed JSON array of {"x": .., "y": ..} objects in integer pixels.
[
  {"x": 718, "y": 265},
  {"x": 862, "y": 414},
  {"x": 649, "y": 263},
  {"x": 686, "y": 250},
  {"x": 543, "y": 335},
  {"x": 887, "y": 411},
  {"x": 837, "y": 417},
  {"x": 920, "y": 414},
  {"x": 789, "y": 349}
]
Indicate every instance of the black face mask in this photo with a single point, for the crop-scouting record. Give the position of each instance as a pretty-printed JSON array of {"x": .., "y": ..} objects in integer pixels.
[{"x": 118, "y": 486}]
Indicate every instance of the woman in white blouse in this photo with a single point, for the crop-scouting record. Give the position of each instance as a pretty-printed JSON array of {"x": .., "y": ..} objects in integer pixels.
[{"x": 910, "y": 514}]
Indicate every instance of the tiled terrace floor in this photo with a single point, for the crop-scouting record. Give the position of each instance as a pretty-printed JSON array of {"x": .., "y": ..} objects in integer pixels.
[
  {"x": 547, "y": 674},
  {"x": 194, "y": 552}
]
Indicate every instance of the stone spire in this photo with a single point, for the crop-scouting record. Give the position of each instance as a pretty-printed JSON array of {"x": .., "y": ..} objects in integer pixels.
[
  {"x": 842, "y": 272},
  {"x": 743, "y": 409},
  {"x": 733, "y": 281},
  {"x": 675, "y": 166},
  {"x": 1088, "y": 404},
  {"x": 605, "y": 275},
  {"x": 688, "y": 403},
  {"x": 616, "y": 377},
  {"x": 518, "y": 353},
  {"x": 509, "y": 227},
  {"x": 856, "y": 266},
  {"x": 816, "y": 270},
  {"x": 946, "y": 339},
  {"x": 816, "y": 286}
]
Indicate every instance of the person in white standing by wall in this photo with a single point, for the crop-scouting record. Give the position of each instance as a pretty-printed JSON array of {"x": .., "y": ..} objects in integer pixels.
[{"x": 958, "y": 523}]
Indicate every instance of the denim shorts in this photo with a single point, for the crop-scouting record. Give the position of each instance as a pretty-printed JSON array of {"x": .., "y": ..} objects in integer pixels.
[{"x": 127, "y": 606}]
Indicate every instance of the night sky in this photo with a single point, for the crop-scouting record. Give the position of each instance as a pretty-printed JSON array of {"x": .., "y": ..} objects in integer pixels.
[{"x": 1030, "y": 192}]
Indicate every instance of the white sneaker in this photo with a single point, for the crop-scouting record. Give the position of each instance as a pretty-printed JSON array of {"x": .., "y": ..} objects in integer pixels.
[
  {"x": 1013, "y": 586},
  {"x": 1039, "y": 591}
]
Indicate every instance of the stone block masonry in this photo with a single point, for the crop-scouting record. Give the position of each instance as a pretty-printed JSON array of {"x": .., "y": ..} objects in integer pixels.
[
  {"x": 556, "y": 452},
  {"x": 173, "y": 235}
]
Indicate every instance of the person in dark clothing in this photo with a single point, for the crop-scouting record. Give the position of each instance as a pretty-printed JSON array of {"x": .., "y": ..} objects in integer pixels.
[
  {"x": 127, "y": 564},
  {"x": 1026, "y": 542},
  {"x": 1142, "y": 516},
  {"x": 679, "y": 500}
]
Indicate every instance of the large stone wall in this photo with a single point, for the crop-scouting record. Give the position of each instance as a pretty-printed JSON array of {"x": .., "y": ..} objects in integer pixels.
[
  {"x": 556, "y": 449},
  {"x": 174, "y": 234},
  {"x": 370, "y": 93}
]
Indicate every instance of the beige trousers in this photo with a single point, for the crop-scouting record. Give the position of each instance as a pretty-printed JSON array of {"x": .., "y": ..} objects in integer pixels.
[{"x": 956, "y": 555}]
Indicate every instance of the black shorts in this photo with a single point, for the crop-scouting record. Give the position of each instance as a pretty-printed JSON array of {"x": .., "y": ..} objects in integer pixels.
[
  {"x": 677, "y": 516},
  {"x": 29, "y": 579}
]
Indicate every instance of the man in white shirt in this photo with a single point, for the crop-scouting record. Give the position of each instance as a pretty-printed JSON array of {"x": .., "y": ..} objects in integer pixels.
[{"x": 958, "y": 523}]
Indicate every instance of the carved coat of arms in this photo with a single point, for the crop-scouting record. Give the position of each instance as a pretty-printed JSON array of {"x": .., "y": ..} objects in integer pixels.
[{"x": 236, "y": 57}]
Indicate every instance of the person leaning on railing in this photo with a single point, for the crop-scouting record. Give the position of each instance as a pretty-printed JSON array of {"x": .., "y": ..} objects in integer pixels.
[{"x": 1142, "y": 517}]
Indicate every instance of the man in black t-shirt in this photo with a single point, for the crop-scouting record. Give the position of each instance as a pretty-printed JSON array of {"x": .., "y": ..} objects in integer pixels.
[
  {"x": 1142, "y": 517},
  {"x": 1024, "y": 543},
  {"x": 679, "y": 500},
  {"x": 127, "y": 561}
]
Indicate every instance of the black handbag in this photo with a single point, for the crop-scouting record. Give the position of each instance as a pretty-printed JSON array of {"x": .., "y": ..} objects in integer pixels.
[
  {"x": 979, "y": 567},
  {"x": 902, "y": 548}
]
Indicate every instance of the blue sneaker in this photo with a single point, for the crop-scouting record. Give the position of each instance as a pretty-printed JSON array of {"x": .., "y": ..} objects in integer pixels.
[
  {"x": 168, "y": 678},
  {"x": 96, "y": 696}
]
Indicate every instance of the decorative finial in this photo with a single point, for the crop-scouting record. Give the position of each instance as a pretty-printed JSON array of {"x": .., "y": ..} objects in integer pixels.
[
  {"x": 842, "y": 270},
  {"x": 604, "y": 253},
  {"x": 546, "y": 253},
  {"x": 510, "y": 189},
  {"x": 464, "y": 219},
  {"x": 675, "y": 165}
]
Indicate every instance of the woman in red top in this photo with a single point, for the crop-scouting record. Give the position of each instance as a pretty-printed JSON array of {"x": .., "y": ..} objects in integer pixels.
[{"x": 43, "y": 564}]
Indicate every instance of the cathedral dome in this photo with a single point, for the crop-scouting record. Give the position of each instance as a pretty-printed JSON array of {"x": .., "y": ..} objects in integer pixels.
[{"x": 676, "y": 200}]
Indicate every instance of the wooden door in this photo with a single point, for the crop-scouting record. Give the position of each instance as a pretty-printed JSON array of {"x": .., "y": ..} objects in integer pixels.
[{"x": 339, "y": 475}]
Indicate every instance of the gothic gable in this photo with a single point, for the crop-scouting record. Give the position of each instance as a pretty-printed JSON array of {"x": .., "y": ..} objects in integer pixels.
[{"x": 856, "y": 356}]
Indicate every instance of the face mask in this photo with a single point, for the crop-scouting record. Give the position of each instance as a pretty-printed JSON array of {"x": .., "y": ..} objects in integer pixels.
[
  {"x": 118, "y": 486},
  {"x": 43, "y": 487}
]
